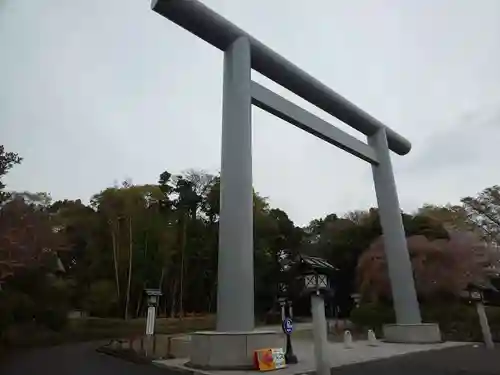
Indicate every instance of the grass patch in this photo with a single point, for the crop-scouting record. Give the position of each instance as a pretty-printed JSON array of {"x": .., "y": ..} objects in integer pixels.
[
  {"x": 119, "y": 328},
  {"x": 92, "y": 329},
  {"x": 457, "y": 321}
]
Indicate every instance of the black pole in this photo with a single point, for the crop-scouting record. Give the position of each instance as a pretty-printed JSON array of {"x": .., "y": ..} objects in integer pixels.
[{"x": 290, "y": 357}]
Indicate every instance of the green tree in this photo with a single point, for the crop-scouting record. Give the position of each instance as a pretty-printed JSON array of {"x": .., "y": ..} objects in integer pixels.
[
  {"x": 7, "y": 161},
  {"x": 130, "y": 212},
  {"x": 451, "y": 217},
  {"x": 80, "y": 226},
  {"x": 342, "y": 241},
  {"x": 101, "y": 298}
]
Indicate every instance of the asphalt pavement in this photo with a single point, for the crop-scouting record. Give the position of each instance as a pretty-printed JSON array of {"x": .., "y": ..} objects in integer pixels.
[
  {"x": 82, "y": 359},
  {"x": 463, "y": 360},
  {"x": 72, "y": 359}
]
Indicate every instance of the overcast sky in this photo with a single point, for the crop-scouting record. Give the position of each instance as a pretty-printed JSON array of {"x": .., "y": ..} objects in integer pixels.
[{"x": 96, "y": 91}]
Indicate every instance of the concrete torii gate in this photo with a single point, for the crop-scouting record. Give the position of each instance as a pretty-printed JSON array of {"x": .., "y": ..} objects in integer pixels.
[{"x": 235, "y": 298}]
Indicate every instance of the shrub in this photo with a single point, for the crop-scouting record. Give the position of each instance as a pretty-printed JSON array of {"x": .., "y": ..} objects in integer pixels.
[
  {"x": 16, "y": 308},
  {"x": 53, "y": 318},
  {"x": 457, "y": 321},
  {"x": 372, "y": 316},
  {"x": 101, "y": 298}
]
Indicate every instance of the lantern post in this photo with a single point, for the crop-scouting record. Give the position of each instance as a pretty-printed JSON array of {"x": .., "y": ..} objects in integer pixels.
[
  {"x": 476, "y": 296},
  {"x": 315, "y": 274}
]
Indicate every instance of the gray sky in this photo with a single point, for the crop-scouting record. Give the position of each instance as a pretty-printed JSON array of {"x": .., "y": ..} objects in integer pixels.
[{"x": 93, "y": 91}]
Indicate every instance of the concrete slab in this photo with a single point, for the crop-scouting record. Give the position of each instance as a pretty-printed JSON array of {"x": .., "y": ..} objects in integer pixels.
[
  {"x": 229, "y": 350},
  {"x": 179, "y": 346},
  {"x": 340, "y": 356},
  {"x": 424, "y": 333}
]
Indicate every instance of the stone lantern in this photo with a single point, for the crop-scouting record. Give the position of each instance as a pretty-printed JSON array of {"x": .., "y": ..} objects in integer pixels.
[
  {"x": 315, "y": 276},
  {"x": 475, "y": 295},
  {"x": 356, "y": 297},
  {"x": 153, "y": 296}
]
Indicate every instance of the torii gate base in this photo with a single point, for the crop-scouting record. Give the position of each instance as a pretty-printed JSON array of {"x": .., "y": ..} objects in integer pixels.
[
  {"x": 232, "y": 345},
  {"x": 230, "y": 350}
]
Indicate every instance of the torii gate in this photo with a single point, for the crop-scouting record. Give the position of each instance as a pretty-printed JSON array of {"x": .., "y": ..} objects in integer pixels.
[{"x": 242, "y": 53}]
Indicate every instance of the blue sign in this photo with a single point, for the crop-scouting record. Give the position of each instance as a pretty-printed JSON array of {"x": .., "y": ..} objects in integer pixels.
[{"x": 287, "y": 326}]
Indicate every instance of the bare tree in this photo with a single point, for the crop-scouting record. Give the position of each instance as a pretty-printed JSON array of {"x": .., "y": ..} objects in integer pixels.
[{"x": 484, "y": 212}]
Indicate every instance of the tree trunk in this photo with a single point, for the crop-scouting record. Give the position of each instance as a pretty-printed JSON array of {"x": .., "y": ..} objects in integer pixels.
[
  {"x": 209, "y": 304},
  {"x": 209, "y": 301},
  {"x": 160, "y": 287},
  {"x": 115, "y": 256},
  {"x": 183, "y": 248},
  {"x": 129, "y": 267},
  {"x": 160, "y": 284},
  {"x": 139, "y": 302},
  {"x": 173, "y": 296},
  {"x": 165, "y": 306},
  {"x": 213, "y": 294}
]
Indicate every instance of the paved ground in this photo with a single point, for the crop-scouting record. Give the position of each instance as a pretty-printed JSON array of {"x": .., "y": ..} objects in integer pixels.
[
  {"x": 74, "y": 359},
  {"x": 81, "y": 359},
  {"x": 338, "y": 355},
  {"x": 465, "y": 360}
]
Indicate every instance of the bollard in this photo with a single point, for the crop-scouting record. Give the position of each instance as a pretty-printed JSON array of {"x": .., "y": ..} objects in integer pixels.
[
  {"x": 347, "y": 340},
  {"x": 372, "y": 339},
  {"x": 485, "y": 327}
]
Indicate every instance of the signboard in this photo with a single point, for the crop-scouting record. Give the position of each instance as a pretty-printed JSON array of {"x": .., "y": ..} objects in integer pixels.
[
  {"x": 269, "y": 359},
  {"x": 287, "y": 326}
]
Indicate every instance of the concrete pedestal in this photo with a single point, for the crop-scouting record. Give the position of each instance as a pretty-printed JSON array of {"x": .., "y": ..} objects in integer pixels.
[
  {"x": 230, "y": 350},
  {"x": 178, "y": 347},
  {"x": 424, "y": 333}
]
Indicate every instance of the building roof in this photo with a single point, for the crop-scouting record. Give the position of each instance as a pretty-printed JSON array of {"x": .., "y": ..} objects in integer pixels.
[{"x": 316, "y": 263}]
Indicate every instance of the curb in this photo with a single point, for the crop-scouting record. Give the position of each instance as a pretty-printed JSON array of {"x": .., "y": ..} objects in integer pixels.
[{"x": 125, "y": 354}]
